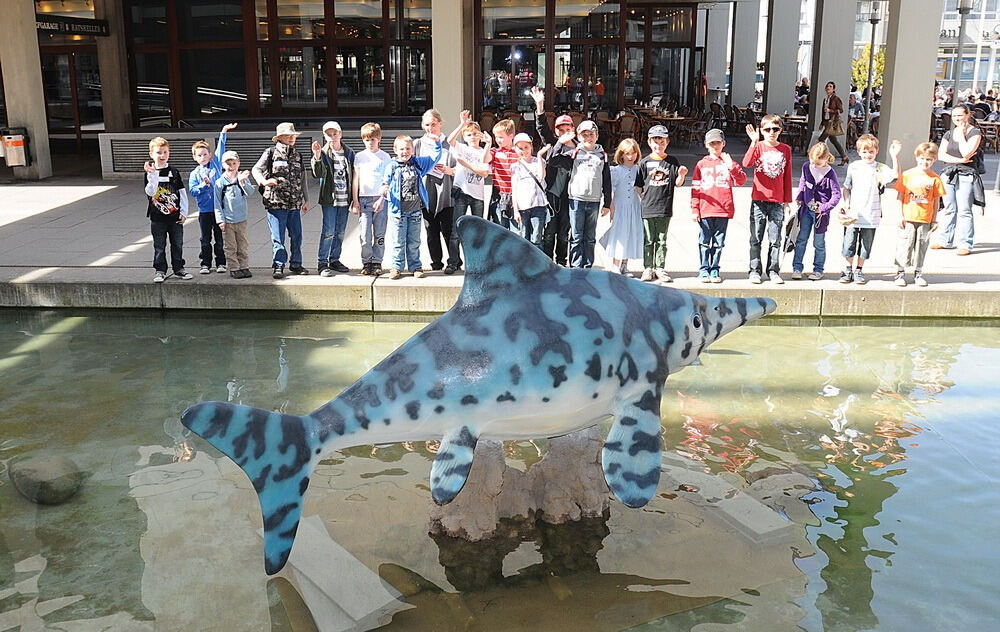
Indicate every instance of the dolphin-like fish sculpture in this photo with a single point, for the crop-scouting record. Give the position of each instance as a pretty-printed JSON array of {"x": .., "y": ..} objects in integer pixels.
[{"x": 528, "y": 350}]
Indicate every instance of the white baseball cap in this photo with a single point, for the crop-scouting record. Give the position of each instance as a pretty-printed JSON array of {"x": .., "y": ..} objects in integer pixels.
[
  {"x": 522, "y": 138},
  {"x": 331, "y": 125}
]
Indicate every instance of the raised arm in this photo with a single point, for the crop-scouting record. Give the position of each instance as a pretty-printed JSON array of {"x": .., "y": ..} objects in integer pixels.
[{"x": 541, "y": 124}]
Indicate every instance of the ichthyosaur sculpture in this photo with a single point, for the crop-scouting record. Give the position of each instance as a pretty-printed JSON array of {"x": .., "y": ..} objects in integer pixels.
[{"x": 528, "y": 350}]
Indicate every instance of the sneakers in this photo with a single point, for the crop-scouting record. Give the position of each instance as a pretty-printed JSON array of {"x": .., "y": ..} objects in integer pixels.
[
  {"x": 919, "y": 280},
  {"x": 962, "y": 252},
  {"x": 221, "y": 269},
  {"x": 366, "y": 269},
  {"x": 159, "y": 277},
  {"x": 796, "y": 275},
  {"x": 775, "y": 278},
  {"x": 847, "y": 276},
  {"x": 662, "y": 276},
  {"x": 246, "y": 273},
  {"x": 815, "y": 276},
  {"x": 337, "y": 266},
  {"x": 296, "y": 270},
  {"x": 419, "y": 273},
  {"x": 647, "y": 275},
  {"x": 860, "y": 278},
  {"x": 395, "y": 274},
  {"x": 941, "y": 247},
  {"x": 704, "y": 277},
  {"x": 450, "y": 269},
  {"x": 326, "y": 272},
  {"x": 240, "y": 274},
  {"x": 755, "y": 278},
  {"x": 277, "y": 272},
  {"x": 183, "y": 274},
  {"x": 900, "y": 280},
  {"x": 377, "y": 269},
  {"x": 204, "y": 270},
  {"x": 716, "y": 278},
  {"x": 436, "y": 266}
]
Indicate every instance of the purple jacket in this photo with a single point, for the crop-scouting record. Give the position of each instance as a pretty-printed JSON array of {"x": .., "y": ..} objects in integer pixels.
[{"x": 826, "y": 193}]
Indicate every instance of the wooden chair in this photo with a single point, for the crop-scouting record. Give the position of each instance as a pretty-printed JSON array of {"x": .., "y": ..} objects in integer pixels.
[
  {"x": 577, "y": 118},
  {"x": 515, "y": 116},
  {"x": 718, "y": 116},
  {"x": 487, "y": 120},
  {"x": 628, "y": 127}
]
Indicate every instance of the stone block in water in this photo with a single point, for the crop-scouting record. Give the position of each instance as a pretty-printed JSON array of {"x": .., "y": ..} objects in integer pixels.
[{"x": 47, "y": 480}]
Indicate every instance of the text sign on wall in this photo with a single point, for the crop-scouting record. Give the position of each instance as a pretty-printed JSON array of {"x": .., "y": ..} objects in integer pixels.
[{"x": 71, "y": 26}]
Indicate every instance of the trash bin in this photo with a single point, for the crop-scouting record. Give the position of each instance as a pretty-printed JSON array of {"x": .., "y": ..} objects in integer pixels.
[{"x": 15, "y": 146}]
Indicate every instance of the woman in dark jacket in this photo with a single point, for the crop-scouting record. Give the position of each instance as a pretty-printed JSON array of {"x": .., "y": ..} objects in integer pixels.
[{"x": 833, "y": 124}]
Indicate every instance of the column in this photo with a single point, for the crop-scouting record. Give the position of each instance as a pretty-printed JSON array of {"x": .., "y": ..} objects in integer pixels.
[
  {"x": 743, "y": 68},
  {"x": 452, "y": 63},
  {"x": 717, "y": 49},
  {"x": 910, "y": 68},
  {"x": 112, "y": 60},
  {"x": 22, "y": 85},
  {"x": 833, "y": 52},
  {"x": 781, "y": 65}
]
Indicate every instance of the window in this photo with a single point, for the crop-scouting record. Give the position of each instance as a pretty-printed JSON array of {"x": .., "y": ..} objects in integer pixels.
[
  {"x": 152, "y": 89},
  {"x": 301, "y": 19},
  {"x": 216, "y": 87},
  {"x": 358, "y": 19},
  {"x": 361, "y": 77},
  {"x": 416, "y": 19},
  {"x": 303, "y": 77},
  {"x": 210, "y": 20},
  {"x": 584, "y": 20},
  {"x": 148, "y": 20},
  {"x": 502, "y": 19},
  {"x": 671, "y": 24}
]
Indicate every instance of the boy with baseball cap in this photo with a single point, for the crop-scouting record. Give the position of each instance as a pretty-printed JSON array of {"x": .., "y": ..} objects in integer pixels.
[
  {"x": 658, "y": 176},
  {"x": 556, "y": 238},
  {"x": 229, "y": 193},
  {"x": 712, "y": 202}
]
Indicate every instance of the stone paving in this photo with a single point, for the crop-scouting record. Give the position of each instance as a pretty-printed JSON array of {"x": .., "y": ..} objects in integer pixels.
[{"x": 82, "y": 241}]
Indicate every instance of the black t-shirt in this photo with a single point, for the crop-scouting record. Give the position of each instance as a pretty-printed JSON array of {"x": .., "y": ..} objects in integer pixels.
[
  {"x": 409, "y": 194},
  {"x": 165, "y": 204},
  {"x": 657, "y": 178},
  {"x": 953, "y": 145}
]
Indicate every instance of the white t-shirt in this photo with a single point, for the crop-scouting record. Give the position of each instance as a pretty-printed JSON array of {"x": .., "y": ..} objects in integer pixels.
[
  {"x": 863, "y": 181},
  {"x": 470, "y": 182},
  {"x": 527, "y": 194},
  {"x": 368, "y": 171}
]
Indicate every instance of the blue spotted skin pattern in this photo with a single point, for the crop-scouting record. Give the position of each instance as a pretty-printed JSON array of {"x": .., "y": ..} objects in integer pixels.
[{"x": 528, "y": 350}]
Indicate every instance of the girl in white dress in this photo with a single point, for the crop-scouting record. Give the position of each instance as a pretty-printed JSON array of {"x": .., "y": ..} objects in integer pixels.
[{"x": 624, "y": 240}]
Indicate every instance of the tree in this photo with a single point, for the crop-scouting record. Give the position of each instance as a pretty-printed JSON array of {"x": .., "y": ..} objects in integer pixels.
[{"x": 859, "y": 68}]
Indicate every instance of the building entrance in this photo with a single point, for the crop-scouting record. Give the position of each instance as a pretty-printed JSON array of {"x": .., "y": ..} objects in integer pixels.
[{"x": 72, "y": 85}]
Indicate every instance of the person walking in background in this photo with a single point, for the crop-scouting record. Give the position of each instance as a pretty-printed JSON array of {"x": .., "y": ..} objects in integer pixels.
[{"x": 833, "y": 122}]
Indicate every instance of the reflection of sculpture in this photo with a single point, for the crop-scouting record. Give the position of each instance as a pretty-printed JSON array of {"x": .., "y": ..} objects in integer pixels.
[{"x": 528, "y": 350}]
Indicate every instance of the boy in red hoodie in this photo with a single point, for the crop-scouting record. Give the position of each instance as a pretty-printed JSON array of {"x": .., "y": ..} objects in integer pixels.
[
  {"x": 771, "y": 161},
  {"x": 712, "y": 202}
]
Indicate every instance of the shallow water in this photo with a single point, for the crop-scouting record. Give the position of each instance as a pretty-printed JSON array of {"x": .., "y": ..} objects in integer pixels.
[{"x": 874, "y": 449}]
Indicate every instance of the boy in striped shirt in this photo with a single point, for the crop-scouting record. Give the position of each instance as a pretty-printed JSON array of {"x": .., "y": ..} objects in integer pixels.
[{"x": 502, "y": 159}]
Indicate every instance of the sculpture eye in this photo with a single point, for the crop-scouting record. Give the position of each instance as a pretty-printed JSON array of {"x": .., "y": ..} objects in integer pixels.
[{"x": 696, "y": 321}]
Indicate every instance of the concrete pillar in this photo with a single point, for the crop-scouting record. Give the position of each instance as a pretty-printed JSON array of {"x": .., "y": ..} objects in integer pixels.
[
  {"x": 743, "y": 68},
  {"x": 22, "y": 85},
  {"x": 910, "y": 68},
  {"x": 717, "y": 47},
  {"x": 991, "y": 68},
  {"x": 833, "y": 51},
  {"x": 112, "y": 60},
  {"x": 781, "y": 66},
  {"x": 452, "y": 33}
]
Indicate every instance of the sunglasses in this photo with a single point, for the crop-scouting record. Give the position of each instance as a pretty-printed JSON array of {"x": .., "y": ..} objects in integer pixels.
[{"x": 770, "y": 129}]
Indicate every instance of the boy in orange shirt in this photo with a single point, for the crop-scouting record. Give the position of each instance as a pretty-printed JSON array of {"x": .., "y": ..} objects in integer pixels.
[{"x": 919, "y": 190}]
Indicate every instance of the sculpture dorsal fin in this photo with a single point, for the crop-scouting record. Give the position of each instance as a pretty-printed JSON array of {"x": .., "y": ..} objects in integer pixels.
[{"x": 496, "y": 258}]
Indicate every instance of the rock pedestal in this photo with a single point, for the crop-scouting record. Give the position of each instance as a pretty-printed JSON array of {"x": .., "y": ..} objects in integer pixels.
[{"x": 47, "y": 480}]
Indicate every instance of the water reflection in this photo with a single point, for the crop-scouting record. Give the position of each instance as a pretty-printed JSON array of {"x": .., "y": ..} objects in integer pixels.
[{"x": 876, "y": 446}]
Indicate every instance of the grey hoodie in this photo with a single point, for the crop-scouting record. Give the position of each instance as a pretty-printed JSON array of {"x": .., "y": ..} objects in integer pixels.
[{"x": 591, "y": 176}]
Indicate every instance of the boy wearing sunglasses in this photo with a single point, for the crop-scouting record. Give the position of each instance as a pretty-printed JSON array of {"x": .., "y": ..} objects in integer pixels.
[{"x": 771, "y": 161}]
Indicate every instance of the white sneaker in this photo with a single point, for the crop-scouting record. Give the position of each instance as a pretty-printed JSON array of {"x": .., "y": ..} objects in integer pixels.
[
  {"x": 647, "y": 275},
  {"x": 900, "y": 279},
  {"x": 755, "y": 278},
  {"x": 776, "y": 278},
  {"x": 815, "y": 276},
  {"x": 796, "y": 275},
  {"x": 222, "y": 269},
  {"x": 662, "y": 276},
  {"x": 204, "y": 270},
  {"x": 919, "y": 280},
  {"x": 183, "y": 274},
  {"x": 159, "y": 277}
]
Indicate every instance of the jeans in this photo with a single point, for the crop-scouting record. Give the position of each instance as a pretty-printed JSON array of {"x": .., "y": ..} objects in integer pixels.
[
  {"x": 463, "y": 203},
  {"x": 404, "y": 231},
  {"x": 280, "y": 220},
  {"x": 956, "y": 219},
  {"x": 711, "y": 239},
  {"x": 807, "y": 224},
  {"x": 582, "y": 233},
  {"x": 858, "y": 241},
  {"x": 654, "y": 248},
  {"x": 533, "y": 220},
  {"x": 210, "y": 229},
  {"x": 160, "y": 232},
  {"x": 439, "y": 226},
  {"x": 372, "y": 225},
  {"x": 769, "y": 216},
  {"x": 331, "y": 238},
  {"x": 556, "y": 240}
]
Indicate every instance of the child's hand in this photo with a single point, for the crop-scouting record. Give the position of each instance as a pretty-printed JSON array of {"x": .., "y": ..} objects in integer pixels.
[
  {"x": 933, "y": 226},
  {"x": 148, "y": 167},
  {"x": 206, "y": 181},
  {"x": 229, "y": 126},
  {"x": 682, "y": 171},
  {"x": 487, "y": 139},
  {"x": 727, "y": 160},
  {"x": 244, "y": 176},
  {"x": 567, "y": 138},
  {"x": 902, "y": 223},
  {"x": 316, "y": 147},
  {"x": 465, "y": 116},
  {"x": 222, "y": 226},
  {"x": 517, "y": 216},
  {"x": 270, "y": 182},
  {"x": 305, "y": 207},
  {"x": 355, "y": 207},
  {"x": 605, "y": 211},
  {"x": 446, "y": 170},
  {"x": 895, "y": 147},
  {"x": 378, "y": 204},
  {"x": 538, "y": 95},
  {"x": 753, "y": 133}
]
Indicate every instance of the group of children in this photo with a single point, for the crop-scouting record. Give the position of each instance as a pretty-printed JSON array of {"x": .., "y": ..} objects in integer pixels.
[{"x": 551, "y": 199}]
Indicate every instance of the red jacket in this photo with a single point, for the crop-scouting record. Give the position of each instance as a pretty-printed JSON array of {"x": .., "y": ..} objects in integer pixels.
[
  {"x": 772, "y": 172},
  {"x": 712, "y": 188}
]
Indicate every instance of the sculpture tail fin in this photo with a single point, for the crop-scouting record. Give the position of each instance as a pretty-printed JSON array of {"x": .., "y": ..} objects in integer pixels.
[{"x": 276, "y": 452}]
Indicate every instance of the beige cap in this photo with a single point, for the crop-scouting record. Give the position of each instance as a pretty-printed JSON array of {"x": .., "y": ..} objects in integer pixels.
[
  {"x": 284, "y": 129},
  {"x": 714, "y": 136},
  {"x": 230, "y": 155}
]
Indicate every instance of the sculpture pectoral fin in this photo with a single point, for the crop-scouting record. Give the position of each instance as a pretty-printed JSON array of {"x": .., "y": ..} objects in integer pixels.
[
  {"x": 631, "y": 456},
  {"x": 452, "y": 465}
]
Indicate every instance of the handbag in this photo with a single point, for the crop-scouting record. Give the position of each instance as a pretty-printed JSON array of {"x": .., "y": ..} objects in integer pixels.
[
  {"x": 846, "y": 216},
  {"x": 834, "y": 127}
]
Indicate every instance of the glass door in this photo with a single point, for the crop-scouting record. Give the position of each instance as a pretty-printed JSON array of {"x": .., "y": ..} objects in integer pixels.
[{"x": 72, "y": 85}]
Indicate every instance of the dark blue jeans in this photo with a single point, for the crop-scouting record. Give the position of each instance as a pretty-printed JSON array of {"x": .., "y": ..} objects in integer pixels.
[
  {"x": 464, "y": 203},
  {"x": 279, "y": 221},
  {"x": 582, "y": 233},
  {"x": 210, "y": 229},
  {"x": 161, "y": 231},
  {"x": 766, "y": 216},
  {"x": 533, "y": 220},
  {"x": 711, "y": 239},
  {"x": 331, "y": 237}
]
